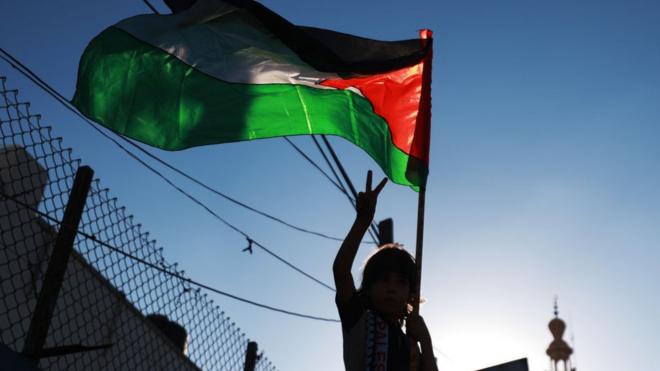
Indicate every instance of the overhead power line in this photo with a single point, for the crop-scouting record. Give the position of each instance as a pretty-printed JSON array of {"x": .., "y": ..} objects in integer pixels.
[
  {"x": 352, "y": 200},
  {"x": 153, "y": 8},
  {"x": 327, "y": 162},
  {"x": 159, "y": 268},
  {"x": 229, "y": 198},
  {"x": 20, "y": 67},
  {"x": 339, "y": 186},
  {"x": 374, "y": 231}
]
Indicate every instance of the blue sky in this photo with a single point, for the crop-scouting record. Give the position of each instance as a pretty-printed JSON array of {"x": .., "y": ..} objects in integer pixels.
[{"x": 544, "y": 179}]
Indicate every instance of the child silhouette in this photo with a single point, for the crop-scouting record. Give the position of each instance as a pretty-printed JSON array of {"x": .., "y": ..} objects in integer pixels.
[{"x": 372, "y": 317}]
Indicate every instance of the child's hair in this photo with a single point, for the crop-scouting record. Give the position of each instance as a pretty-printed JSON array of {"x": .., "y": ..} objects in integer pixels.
[{"x": 387, "y": 258}]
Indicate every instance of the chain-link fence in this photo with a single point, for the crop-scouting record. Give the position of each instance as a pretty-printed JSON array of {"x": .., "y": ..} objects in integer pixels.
[{"x": 112, "y": 312}]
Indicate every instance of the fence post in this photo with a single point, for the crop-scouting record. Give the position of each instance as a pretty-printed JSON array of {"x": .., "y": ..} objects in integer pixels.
[
  {"x": 43, "y": 311},
  {"x": 251, "y": 356}
]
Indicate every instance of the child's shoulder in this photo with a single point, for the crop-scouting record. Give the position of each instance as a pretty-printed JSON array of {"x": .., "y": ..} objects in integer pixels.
[{"x": 350, "y": 310}]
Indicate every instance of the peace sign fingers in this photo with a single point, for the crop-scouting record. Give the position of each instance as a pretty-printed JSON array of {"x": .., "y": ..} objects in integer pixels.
[
  {"x": 380, "y": 186},
  {"x": 366, "y": 201}
]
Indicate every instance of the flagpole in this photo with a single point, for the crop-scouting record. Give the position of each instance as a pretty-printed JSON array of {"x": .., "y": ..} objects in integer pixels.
[
  {"x": 419, "y": 247},
  {"x": 425, "y": 112},
  {"x": 417, "y": 285}
]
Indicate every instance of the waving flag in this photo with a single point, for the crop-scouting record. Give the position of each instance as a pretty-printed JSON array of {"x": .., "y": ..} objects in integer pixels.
[{"x": 227, "y": 71}]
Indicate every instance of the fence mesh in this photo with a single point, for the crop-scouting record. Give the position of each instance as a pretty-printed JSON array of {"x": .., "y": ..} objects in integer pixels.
[{"x": 133, "y": 311}]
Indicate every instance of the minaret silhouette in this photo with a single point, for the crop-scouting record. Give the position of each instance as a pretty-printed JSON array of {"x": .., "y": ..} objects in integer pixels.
[{"x": 559, "y": 351}]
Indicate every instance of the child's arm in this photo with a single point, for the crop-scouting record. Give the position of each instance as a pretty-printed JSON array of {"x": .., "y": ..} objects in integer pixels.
[
  {"x": 366, "y": 208},
  {"x": 416, "y": 328}
]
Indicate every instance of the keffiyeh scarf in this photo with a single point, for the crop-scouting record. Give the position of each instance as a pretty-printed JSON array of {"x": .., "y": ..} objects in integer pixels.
[{"x": 376, "y": 343}]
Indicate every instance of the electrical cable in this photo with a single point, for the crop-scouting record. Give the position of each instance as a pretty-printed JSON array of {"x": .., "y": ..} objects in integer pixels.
[
  {"x": 373, "y": 231},
  {"x": 153, "y": 8},
  {"x": 336, "y": 182},
  {"x": 300, "y": 151},
  {"x": 352, "y": 201},
  {"x": 229, "y": 198},
  {"x": 327, "y": 162},
  {"x": 161, "y": 269}
]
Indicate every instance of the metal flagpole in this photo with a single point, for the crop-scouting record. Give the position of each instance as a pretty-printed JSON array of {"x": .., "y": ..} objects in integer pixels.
[
  {"x": 425, "y": 112},
  {"x": 419, "y": 248},
  {"x": 417, "y": 285}
]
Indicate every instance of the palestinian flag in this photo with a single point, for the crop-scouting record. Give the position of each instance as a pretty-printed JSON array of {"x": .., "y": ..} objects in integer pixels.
[{"x": 227, "y": 71}]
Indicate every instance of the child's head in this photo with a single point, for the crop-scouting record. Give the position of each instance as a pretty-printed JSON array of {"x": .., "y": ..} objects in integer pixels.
[{"x": 387, "y": 281}]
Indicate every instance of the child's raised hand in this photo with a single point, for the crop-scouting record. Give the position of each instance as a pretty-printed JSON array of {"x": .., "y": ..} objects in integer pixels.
[{"x": 366, "y": 201}]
